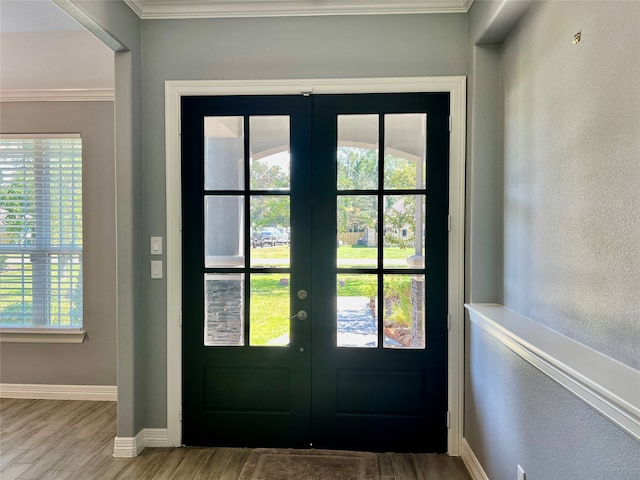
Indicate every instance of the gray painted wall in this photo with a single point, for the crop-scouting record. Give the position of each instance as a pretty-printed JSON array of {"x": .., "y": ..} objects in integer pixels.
[
  {"x": 94, "y": 361},
  {"x": 116, "y": 25},
  {"x": 572, "y": 173},
  {"x": 516, "y": 414},
  {"x": 568, "y": 134},
  {"x": 67, "y": 59},
  {"x": 297, "y": 47}
]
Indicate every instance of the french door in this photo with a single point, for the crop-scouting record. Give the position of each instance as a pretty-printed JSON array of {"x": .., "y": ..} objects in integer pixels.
[{"x": 314, "y": 271}]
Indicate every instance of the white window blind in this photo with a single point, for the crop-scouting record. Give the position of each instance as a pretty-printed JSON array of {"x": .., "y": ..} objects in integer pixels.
[{"x": 41, "y": 231}]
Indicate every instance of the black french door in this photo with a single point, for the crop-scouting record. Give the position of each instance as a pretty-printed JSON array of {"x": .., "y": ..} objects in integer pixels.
[{"x": 314, "y": 271}]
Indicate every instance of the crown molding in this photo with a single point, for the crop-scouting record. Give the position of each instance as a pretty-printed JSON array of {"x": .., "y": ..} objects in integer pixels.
[
  {"x": 58, "y": 95},
  {"x": 173, "y": 9}
]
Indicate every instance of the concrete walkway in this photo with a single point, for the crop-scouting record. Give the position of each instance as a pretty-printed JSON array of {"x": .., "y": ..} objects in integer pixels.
[{"x": 356, "y": 325}]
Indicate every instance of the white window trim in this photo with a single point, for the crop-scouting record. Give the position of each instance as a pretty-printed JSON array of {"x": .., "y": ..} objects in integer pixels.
[
  {"x": 455, "y": 86},
  {"x": 29, "y": 334},
  {"x": 42, "y": 335}
]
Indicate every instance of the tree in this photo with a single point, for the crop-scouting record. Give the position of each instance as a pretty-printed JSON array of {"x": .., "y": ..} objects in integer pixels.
[
  {"x": 400, "y": 215},
  {"x": 269, "y": 210},
  {"x": 357, "y": 168}
]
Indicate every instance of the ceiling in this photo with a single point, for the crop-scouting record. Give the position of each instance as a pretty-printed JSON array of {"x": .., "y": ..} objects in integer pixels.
[
  {"x": 34, "y": 16},
  {"x": 166, "y": 9}
]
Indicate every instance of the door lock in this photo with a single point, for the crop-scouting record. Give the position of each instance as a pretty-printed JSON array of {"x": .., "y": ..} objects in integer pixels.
[
  {"x": 301, "y": 315},
  {"x": 302, "y": 294}
]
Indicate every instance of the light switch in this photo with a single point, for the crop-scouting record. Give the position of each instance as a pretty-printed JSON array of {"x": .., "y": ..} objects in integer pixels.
[
  {"x": 156, "y": 245},
  {"x": 156, "y": 268}
]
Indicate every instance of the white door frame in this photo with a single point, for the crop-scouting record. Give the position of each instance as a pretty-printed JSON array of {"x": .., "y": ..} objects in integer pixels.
[{"x": 456, "y": 86}]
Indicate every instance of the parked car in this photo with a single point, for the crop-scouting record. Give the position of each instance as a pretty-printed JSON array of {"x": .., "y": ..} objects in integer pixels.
[{"x": 270, "y": 237}]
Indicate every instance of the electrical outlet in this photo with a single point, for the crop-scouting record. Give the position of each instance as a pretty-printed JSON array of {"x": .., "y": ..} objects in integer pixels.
[{"x": 521, "y": 474}]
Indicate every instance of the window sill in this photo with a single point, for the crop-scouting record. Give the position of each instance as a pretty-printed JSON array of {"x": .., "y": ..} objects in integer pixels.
[{"x": 41, "y": 335}]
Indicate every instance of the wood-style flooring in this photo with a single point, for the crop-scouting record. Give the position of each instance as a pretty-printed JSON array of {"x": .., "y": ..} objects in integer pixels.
[{"x": 73, "y": 440}]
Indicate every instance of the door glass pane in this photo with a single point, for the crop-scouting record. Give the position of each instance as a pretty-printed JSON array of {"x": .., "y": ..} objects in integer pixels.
[
  {"x": 357, "y": 324},
  {"x": 223, "y": 309},
  {"x": 269, "y": 320},
  {"x": 223, "y": 231},
  {"x": 270, "y": 231},
  {"x": 270, "y": 159},
  {"x": 405, "y": 152},
  {"x": 357, "y": 218},
  {"x": 223, "y": 153},
  {"x": 404, "y": 311},
  {"x": 357, "y": 152},
  {"x": 404, "y": 223}
]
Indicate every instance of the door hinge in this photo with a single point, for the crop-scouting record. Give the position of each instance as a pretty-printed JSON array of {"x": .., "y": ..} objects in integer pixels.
[
  {"x": 450, "y": 123},
  {"x": 180, "y": 413},
  {"x": 448, "y": 420},
  {"x": 448, "y": 223},
  {"x": 306, "y": 91},
  {"x": 180, "y": 317},
  {"x": 448, "y": 321},
  {"x": 180, "y": 222}
]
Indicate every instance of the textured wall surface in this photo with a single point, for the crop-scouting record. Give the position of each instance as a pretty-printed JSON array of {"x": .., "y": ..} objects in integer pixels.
[
  {"x": 94, "y": 361},
  {"x": 572, "y": 172},
  {"x": 517, "y": 415}
]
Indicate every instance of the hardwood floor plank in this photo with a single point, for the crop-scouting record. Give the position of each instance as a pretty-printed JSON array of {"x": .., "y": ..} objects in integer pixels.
[
  {"x": 404, "y": 466},
  {"x": 102, "y": 468},
  {"x": 13, "y": 471},
  {"x": 235, "y": 464},
  {"x": 57, "y": 475},
  {"x": 71, "y": 440},
  {"x": 10, "y": 455},
  {"x": 385, "y": 465},
  {"x": 163, "y": 463},
  {"x": 215, "y": 464},
  {"x": 42, "y": 466},
  {"x": 149, "y": 465}
]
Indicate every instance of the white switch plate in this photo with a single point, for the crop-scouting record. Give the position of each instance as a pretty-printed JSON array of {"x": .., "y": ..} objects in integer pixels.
[
  {"x": 156, "y": 268},
  {"x": 156, "y": 245},
  {"x": 521, "y": 474}
]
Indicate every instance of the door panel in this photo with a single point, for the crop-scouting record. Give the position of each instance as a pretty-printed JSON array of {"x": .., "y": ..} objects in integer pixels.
[
  {"x": 391, "y": 397},
  {"x": 358, "y": 222},
  {"x": 238, "y": 388}
]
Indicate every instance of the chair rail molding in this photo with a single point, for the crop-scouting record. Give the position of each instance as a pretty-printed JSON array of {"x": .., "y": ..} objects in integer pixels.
[{"x": 609, "y": 386}]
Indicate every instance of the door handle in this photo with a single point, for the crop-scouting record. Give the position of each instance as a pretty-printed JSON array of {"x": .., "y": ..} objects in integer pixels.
[{"x": 301, "y": 315}]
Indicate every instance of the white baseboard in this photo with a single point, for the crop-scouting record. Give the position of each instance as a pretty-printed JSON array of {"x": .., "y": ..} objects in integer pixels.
[
  {"x": 104, "y": 393},
  {"x": 156, "y": 437},
  {"x": 128, "y": 447},
  {"x": 471, "y": 461}
]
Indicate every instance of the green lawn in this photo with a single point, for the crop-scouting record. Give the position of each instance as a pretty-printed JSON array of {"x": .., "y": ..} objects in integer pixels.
[
  {"x": 344, "y": 251},
  {"x": 269, "y": 314},
  {"x": 353, "y": 251},
  {"x": 15, "y": 304}
]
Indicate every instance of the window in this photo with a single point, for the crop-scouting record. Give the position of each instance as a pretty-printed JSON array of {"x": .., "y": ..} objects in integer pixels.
[{"x": 41, "y": 231}]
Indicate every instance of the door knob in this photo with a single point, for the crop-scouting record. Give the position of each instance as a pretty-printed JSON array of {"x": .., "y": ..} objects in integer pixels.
[{"x": 301, "y": 315}]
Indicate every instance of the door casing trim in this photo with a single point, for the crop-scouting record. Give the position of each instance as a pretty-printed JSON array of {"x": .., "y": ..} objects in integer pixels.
[{"x": 455, "y": 86}]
